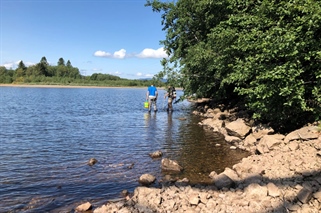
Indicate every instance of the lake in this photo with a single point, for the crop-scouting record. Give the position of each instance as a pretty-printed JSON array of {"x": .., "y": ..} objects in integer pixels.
[{"x": 48, "y": 135}]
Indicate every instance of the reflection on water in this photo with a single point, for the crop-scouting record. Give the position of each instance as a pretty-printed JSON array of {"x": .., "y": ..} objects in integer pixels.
[{"x": 49, "y": 134}]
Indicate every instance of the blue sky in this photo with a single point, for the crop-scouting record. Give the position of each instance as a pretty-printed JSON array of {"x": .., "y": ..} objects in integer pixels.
[{"x": 118, "y": 37}]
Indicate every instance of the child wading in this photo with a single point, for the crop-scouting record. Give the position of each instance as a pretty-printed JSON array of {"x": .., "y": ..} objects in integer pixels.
[{"x": 171, "y": 94}]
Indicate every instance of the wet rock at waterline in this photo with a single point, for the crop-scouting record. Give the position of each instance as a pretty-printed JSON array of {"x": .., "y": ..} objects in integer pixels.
[
  {"x": 171, "y": 165},
  {"x": 83, "y": 207},
  {"x": 147, "y": 179},
  {"x": 156, "y": 154},
  {"x": 124, "y": 193}
]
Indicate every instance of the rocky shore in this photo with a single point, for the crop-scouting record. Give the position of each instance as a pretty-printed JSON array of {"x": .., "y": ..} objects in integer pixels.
[{"x": 282, "y": 174}]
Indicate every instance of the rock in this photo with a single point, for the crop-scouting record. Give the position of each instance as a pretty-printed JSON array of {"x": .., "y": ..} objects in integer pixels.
[
  {"x": 147, "y": 197},
  {"x": 147, "y": 179},
  {"x": 156, "y": 154},
  {"x": 255, "y": 190},
  {"x": 182, "y": 182},
  {"x": 270, "y": 141},
  {"x": 223, "y": 181},
  {"x": 305, "y": 195},
  {"x": 232, "y": 139},
  {"x": 294, "y": 146},
  {"x": 305, "y": 133},
  {"x": 83, "y": 207},
  {"x": 92, "y": 161},
  {"x": 171, "y": 165},
  {"x": 262, "y": 148},
  {"x": 231, "y": 174},
  {"x": 250, "y": 140},
  {"x": 124, "y": 193},
  {"x": 213, "y": 174},
  {"x": 273, "y": 190},
  {"x": 193, "y": 199},
  {"x": 317, "y": 196},
  {"x": 260, "y": 130},
  {"x": 238, "y": 128}
]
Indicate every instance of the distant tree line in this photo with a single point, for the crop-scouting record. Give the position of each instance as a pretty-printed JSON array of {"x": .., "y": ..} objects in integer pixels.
[{"x": 64, "y": 74}]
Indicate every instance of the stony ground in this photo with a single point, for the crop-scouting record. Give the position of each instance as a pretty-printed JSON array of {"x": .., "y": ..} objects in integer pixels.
[{"x": 283, "y": 174}]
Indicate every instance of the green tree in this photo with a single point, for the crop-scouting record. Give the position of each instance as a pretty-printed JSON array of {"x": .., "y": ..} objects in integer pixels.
[
  {"x": 69, "y": 64},
  {"x": 21, "y": 65},
  {"x": 266, "y": 53},
  {"x": 21, "y": 70},
  {"x": 61, "y": 62},
  {"x": 42, "y": 67}
]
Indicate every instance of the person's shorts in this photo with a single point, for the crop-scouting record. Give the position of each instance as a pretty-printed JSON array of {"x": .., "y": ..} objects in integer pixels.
[
  {"x": 152, "y": 98},
  {"x": 170, "y": 100}
]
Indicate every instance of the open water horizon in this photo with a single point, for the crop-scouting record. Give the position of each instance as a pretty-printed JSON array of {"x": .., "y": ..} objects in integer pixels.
[{"x": 48, "y": 136}]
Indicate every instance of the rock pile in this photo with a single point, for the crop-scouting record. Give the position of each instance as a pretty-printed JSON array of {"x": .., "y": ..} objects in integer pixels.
[{"x": 283, "y": 174}]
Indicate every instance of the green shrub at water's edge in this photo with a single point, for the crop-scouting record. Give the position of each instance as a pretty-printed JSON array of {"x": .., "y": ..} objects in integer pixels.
[{"x": 263, "y": 54}]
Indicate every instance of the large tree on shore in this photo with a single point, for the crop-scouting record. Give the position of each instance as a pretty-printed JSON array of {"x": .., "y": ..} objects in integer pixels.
[{"x": 266, "y": 53}]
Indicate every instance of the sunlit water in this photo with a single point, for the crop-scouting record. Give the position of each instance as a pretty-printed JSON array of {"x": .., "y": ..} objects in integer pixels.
[{"x": 47, "y": 136}]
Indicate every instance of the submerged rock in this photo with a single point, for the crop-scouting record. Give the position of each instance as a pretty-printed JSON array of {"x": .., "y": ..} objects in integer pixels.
[
  {"x": 171, "y": 165},
  {"x": 92, "y": 161}
]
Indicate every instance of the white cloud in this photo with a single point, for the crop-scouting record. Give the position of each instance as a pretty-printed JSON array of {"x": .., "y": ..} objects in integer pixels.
[
  {"x": 29, "y": 63},
  {"x": 100, "y": 53},
  {"x": 146, "y": 53},
  {"x": 151, "y": 53},
  {"x": 8, "y": 65},
  {"x": 149, "y": 75},
  {"x": 118, "y": 54},
  {"x": 14, "y": 65},
  {"x": 139, "y": 74}
]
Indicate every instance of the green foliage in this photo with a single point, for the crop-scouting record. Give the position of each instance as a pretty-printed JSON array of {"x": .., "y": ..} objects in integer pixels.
[
  {"x": 265, "y": 53},
  {"x": 61, "y": 62},
  {"x": 43, "y": 73}
]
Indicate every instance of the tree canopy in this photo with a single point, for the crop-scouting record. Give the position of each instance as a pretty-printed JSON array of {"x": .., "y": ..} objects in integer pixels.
[{"x": 264, "y": 53}]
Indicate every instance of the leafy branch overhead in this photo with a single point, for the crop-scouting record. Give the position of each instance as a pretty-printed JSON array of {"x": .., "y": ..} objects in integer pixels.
[{"x": 266, "y": 53}]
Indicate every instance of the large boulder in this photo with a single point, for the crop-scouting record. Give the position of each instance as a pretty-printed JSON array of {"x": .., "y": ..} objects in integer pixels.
[{"x": 305, "y": 133}]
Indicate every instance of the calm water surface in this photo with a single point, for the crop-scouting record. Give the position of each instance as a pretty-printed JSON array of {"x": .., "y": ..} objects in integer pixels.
[{"x": 47, "y": 136}]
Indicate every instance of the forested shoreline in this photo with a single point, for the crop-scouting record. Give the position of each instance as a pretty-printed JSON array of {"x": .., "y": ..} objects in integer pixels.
[
  {"x": 263, "y": 55},
  {"x": 65, "y": 74}
]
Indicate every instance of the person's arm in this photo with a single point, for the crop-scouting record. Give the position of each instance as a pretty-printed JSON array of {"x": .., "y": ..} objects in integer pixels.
[{"x": 147, "y": 94}]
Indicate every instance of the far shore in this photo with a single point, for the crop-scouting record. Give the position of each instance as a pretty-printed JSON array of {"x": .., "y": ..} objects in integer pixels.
[{"x": 69, "y": 86}]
